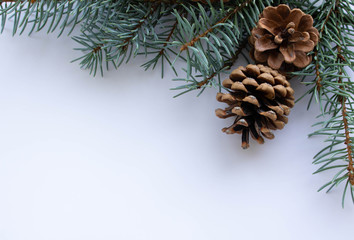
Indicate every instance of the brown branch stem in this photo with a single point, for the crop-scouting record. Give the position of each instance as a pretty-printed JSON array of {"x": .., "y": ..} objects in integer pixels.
[
  {"x": 348, "y": 140},
  {"x": 341, "y": 99},
  {"x": 169, "y": 37},
  {"x": 319, "y": 78},
  {"x": 227, "y": 64},
  {"x": 318, "y": 73},
  {"x": 142, "y": 21},
  {"x": 211, "y": 29},
  {"x": 126, "y": 41}
]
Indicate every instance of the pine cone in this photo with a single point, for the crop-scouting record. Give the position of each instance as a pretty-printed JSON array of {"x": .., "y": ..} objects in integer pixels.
[
  {"x": 259, "y": 98},
  {"x": 283, "y": 35}
]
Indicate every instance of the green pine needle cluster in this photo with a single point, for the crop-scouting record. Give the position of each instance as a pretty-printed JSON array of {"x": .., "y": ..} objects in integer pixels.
[
  {"x": 333, "y": 89},
  {"x": 208, "y": 38}
]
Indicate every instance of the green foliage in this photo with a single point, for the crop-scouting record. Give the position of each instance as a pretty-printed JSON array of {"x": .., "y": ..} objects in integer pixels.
[
  {"x": 116, "y": 30},
  {"x": 208, "y": 38},
  {"x": 333, "y": 89}
]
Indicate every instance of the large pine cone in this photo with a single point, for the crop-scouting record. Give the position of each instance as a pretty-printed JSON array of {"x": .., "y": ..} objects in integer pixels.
[
  {"x": 283, "y": 35},
  {"x": 259, "y": 98}
]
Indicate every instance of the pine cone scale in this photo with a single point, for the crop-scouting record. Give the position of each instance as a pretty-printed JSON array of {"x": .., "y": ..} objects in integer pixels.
[
  {"x": 275, "y": 60},
  {"x": 302, "y": 60},
  {"x": 272, "y": 14},
  {"x": 265, "y": 43},
  {"x": 269, "y": 25},
  {"x": 294, "y": 16},
  {"x": 305, "y": 24},
  {"x": 299, "y": 36},
  {"x": 283, "y": 10},
  {"x": 260, "y": 56},
  {"x": 314, "y": 35},
  {"x": 266, "y": 77},
  {"x": 251, "y": 82},
  {"x": 288, "y": 52},
  {"x": 237, "y": 75},
  {"x": 304, "y": 46},
  {"x": 280, "y": 90}
]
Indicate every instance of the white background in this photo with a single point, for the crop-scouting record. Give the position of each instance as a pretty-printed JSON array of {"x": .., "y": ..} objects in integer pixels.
[{"x": 85, "y": 158}]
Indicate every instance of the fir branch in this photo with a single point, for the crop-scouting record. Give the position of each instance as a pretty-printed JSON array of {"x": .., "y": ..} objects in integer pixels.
[
  {"x": 138, "y": 26},
  {"x": 211, "y": 28},
  {"x": 333, "y": 89},
  {"x": 318, "y": 74},
  {"x": 167, "y": 41},
  {"x": 227, "y": 65},
  {"x": 209, "y": 55},
  {"x": 207, "y": 39},
  {"x": 343, "y": 101}
]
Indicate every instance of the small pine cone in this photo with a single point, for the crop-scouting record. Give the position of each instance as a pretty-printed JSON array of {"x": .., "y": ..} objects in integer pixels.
[
  {"x": 259, "y": 98},
  {"x": 283, "y": 38}
]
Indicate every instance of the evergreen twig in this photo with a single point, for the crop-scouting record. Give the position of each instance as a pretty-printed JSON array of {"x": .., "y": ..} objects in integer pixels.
[{"x": 208, "y": 38}]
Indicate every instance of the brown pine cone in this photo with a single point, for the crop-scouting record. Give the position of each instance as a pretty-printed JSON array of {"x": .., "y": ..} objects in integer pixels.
[
  {"x": 259, "y": 98},
  {"x": 283, "y": 37}
]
